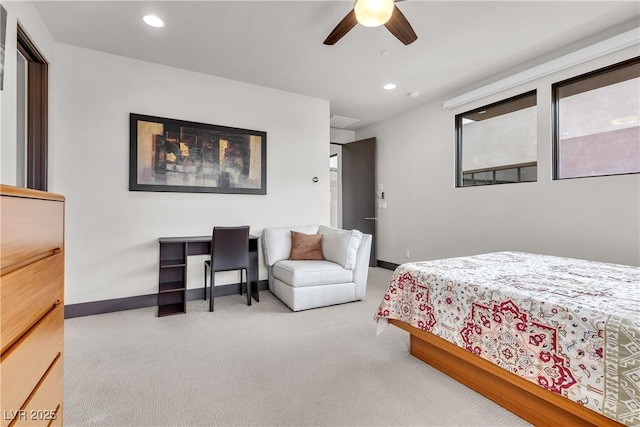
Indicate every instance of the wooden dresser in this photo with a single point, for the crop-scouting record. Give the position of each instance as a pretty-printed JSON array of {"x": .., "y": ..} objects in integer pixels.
[{"x": 32, "y": 307}]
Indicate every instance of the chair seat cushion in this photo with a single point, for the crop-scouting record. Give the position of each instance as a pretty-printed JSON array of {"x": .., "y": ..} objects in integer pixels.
[{"x": 311, "y": 273}]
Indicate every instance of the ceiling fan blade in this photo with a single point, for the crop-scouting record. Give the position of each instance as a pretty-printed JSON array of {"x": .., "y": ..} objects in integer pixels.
[
  {"x": 343, "y": 27},
  {"x": 400, "y": 27}
]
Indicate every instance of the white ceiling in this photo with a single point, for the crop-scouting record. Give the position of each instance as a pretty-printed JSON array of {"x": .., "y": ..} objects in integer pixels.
[{"x": 278, "y": 44}]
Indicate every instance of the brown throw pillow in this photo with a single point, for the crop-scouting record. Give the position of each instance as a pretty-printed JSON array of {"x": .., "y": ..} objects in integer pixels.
[{"x": 306, "y": 246}]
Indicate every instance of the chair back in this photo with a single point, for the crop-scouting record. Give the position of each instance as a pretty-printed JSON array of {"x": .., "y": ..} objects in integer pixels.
[{"x": 230, "y": 248}]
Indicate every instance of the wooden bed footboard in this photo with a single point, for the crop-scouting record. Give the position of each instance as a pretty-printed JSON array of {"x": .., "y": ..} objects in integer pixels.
[{"x": 524, "y": 398}]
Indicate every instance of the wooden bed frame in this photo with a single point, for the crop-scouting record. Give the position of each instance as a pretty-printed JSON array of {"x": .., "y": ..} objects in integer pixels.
[{"x": 520, "y": 396}]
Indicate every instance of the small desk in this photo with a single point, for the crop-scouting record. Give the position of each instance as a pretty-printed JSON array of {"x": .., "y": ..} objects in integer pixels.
[{"x": 172, "y": 279}]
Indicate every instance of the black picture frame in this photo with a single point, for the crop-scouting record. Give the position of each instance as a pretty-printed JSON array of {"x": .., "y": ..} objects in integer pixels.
[
  {"x": 190, "y": 157},
  {"x": 3, "y": 38}
]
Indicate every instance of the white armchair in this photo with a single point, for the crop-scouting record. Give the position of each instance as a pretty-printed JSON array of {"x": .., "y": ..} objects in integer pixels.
[{"x": 302, "y": 284}]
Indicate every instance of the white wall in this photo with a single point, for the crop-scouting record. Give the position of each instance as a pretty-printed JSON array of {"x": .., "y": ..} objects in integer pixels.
[
  {"x": 32, "y": 23},
  {"x": 593, "y": 218},
  {"x": 111, "y": 232}
]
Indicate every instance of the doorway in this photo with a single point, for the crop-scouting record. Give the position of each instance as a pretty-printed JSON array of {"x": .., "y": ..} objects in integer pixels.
[
  {"x": 333, "y": 188},
  {"x": 358, "y": 187},
  {"x": 32, "y": 114}
]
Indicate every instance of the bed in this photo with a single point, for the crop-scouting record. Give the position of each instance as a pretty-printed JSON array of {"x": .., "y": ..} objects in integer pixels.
[{"x": 554, "y": 340}]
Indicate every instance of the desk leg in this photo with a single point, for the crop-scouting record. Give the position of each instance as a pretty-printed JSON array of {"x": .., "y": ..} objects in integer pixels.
[{"x": 252, "y": 280}]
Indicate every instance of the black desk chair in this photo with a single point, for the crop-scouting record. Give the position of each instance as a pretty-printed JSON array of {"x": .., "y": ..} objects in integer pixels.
[{"x": 229, "y": 251}]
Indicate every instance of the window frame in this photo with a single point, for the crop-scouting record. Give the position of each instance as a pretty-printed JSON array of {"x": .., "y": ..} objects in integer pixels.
[
  {"x": 458, "y": 135},
  {"x": 555, "y": 119}
]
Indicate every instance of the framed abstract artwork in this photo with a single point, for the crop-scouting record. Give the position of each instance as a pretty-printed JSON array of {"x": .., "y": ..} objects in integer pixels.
[
  {"x": 3, "y": 38},
  {"x": 181, "y": 156}
]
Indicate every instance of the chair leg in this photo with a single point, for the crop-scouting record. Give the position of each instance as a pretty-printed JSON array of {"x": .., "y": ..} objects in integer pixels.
[
  {"x": 241, "y": 283},
  {"x": 205, "y": 282},
  {"x": 211, "y": 292},
  {"x": 246, "y": 276}
]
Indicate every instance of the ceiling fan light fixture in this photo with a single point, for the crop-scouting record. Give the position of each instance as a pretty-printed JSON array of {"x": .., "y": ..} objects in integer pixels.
[{"x": 373, "y": 13}]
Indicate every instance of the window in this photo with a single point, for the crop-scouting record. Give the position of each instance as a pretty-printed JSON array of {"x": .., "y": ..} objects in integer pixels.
[
  {"x": 596, "y": 122},
  {"x": 496, "y": 144},
  {"x": 333, "y": 162}
]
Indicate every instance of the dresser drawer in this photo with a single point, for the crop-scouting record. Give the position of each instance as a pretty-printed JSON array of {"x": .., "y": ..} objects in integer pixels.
[
  {"x": 28, "y": 294},
  {"x": 31, "y": 229},
  {"x": 43, "y": 407},
  {"x": 59, "y": 417},
  {"x": 26, "y": 362}
]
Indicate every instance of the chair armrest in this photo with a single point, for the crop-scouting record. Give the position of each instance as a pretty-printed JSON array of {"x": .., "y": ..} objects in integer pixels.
[{"x": 361, "y": 269}]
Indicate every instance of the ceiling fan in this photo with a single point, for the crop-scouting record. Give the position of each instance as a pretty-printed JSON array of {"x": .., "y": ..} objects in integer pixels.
[{"x": 373, "y": 13}]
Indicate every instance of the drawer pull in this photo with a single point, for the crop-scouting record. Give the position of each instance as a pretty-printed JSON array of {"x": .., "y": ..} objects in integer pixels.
[{"x": 23, "y": 263}]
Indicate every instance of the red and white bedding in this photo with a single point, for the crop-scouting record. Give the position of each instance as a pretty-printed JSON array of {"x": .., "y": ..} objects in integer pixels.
[{"x": 571, "y": 326}]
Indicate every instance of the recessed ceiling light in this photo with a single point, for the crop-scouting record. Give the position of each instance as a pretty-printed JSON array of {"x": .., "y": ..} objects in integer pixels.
[
  {"x": 413, "y": 94},
  {"x": 482, "y": 112},
  {"x": 389, "y": 86},
  {"x": 153, "y": 21},
  {"x": 385, "y": 53}
]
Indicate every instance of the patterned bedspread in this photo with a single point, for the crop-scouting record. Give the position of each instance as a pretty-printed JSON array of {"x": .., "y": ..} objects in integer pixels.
[{"x": 571, "y": 326}]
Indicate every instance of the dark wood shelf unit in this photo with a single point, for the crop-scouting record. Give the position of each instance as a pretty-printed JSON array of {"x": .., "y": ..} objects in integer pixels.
[
  {"x": 171, "y": 286},
  {"x": 169, "y": 309},
  {"x": 172, "y": 278},
  {"x": 167, "y": 263}
]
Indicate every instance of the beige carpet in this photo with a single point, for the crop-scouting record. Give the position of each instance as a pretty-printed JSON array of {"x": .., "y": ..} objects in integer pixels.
[{"x": 259, "y": 365}]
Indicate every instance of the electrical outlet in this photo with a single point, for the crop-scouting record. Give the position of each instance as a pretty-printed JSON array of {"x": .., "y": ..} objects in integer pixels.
[{"x": 406, "y": 253}]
